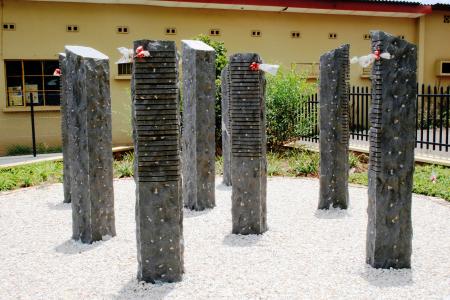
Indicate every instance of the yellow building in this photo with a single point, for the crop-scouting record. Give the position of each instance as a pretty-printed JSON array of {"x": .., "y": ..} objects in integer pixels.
[{"x": 288, "y": 32}]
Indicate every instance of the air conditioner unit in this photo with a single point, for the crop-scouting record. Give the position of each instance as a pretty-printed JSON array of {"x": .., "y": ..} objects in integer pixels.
[{"x": 443, "y": 68}]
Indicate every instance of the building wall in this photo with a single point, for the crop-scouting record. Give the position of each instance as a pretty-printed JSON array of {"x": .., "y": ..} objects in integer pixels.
[{"x": 41, "y": 34}]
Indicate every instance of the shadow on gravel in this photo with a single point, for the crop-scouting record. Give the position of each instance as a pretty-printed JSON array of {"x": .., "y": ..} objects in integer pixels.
[
  {"x": 333, "y": 213},
  {"x": 187, "y": 213},
  {"x": 141, "y": 290},
  {"x": 384, "y": 278},
  {"x": 223, "y": 187},
  {"x": 237, "y": 240},
  {"x": 59, "y": 206},
  {"x": 74, "y": 247}
]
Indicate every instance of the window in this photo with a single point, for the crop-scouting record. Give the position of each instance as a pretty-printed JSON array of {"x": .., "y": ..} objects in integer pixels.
[
  {"x": 214, "y": 32},
  {"x": 122, "y": 29},
  {"x": 256, "y": 33},
  {"x": 295, "y": 34},
  {"x": 9, "y": 26},
  {"x": 124, "y": 68},
  {"x": 72, "y": 28},
  {"x": 171, "y": 31},
  {"x": 28, "y": 80}
]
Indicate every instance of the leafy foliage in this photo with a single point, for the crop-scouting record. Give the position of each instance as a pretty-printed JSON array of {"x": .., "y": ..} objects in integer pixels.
[
  {"x": 25, "y": 150},
  {"x": 287, "y": 92}
]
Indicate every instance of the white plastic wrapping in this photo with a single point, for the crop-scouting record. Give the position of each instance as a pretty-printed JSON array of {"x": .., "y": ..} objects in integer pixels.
[{"x": 127, "y": 55}]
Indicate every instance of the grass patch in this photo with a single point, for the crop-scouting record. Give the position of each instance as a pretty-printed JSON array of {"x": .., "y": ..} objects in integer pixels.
[
  {"x": 29, "y": 175},
  {"x": 125, "y": 166}
]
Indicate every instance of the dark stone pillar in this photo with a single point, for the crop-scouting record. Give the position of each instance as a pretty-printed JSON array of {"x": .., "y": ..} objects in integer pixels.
[
  {"x": 90, "y": 139},
  {"x": 156, "y": 135},
  {"x": 391, "y": 160},
  {"x": 248, "y": 141},
  {"x": 199, "y": 90},
  {"x": 334, "y": 128},
  {"x": 226, "y": 129},
  {"x": 65, "y": 128}
]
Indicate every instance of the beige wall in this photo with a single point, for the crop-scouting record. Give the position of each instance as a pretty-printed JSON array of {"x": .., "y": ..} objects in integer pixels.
[{"x": 41, "y": 34}]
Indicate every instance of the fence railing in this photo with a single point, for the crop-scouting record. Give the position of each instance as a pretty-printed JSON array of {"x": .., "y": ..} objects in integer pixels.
[{"x": 432, "y": 119}]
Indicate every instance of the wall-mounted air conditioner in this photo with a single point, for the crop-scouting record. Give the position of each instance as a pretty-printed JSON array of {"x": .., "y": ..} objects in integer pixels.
[{"x": 443, "y": 67}]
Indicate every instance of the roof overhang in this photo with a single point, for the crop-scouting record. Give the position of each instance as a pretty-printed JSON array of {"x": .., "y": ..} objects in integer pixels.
[{"x": 294, "y": 6}]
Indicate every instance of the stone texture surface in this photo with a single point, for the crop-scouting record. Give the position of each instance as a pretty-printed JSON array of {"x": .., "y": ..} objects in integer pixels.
[
  {"x": 65, "y": 128},
  {"x": 391, "y": 160},
  {"x": 334, "y": 128},
  {"x": 90, "y": 141},
  {"x": 199, "y": 90},
  {"x": 226, "y": 128},
  {"x": 248, "y": 142},
  {"x": 156, "y": 136}
]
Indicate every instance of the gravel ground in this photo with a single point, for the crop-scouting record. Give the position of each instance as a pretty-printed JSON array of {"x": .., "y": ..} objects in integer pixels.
[{"x": 305, "y": 253}]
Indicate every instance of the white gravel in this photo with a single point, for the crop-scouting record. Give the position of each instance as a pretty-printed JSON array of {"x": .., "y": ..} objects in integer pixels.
[{"x": 305, "y": 253}]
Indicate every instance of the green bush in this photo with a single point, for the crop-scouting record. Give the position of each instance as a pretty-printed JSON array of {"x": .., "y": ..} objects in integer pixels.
[
  {"x": 125, "y": 166},
  {"x": 221, "y": 62},
  {"x": 287, "y": 93},
  {"x": 353, "y": 160}
]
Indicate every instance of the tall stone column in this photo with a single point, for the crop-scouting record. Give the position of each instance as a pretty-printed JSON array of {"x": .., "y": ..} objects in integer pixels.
[
  {"x": 391, "y": 159},
  {"x": 248, "y": 141},
  {"x": 156, "y": 136},
  {"x": 226, "y": 128},
  {"x": 65, "y": 127},
  {"x": 90, "y": 143},
  {"x": 199, "y": 90},
  {"x": 334, "y": 128}
]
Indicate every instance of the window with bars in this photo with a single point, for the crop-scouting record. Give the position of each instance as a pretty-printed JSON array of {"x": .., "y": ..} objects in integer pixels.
[
  {"x": 124, "y": 68},
  {"x": 32, "y": 80}
]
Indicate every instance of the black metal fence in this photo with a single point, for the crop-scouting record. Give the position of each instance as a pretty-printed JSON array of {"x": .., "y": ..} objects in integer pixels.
[{"x": 432, "y": 120}]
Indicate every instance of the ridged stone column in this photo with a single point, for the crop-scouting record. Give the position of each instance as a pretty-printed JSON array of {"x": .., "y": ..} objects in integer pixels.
[
  {"x": 90, "y": 142},
  {"x": 226, "y": 129},
  {"x": 65, "y": 128},
  {"x": 334, "y": 128},
  {"x": 199, "y": 91},
  {"x": 391, "y": 159},
  {"x": 156, "y": 135},
  {"x": 248, "y": 140}
]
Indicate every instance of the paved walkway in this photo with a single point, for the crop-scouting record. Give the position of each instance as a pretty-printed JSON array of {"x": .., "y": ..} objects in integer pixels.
[{"x": 12, "y": 161}]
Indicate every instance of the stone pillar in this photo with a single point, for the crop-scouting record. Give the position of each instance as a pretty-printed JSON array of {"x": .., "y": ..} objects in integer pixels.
[
  {"x": 248, "y": 142},
  {"x": 334, "y": 128},
  {"x": 199, "y": 90},
  {"x": 90, "y": 143},
  {"x": 226, "y": 129},
  {"x": 391, "y": 159},
  {"x": 65, "y": 127},
  {"x": 156, "y": 136}
]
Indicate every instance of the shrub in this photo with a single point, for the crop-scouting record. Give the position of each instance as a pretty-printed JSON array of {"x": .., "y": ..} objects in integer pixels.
[
  {"x": 124, "y": 167},
  {"x": 287, "y": 93}
]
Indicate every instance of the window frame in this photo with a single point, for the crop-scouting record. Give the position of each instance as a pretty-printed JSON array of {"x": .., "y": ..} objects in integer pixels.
[{"x": 41, "y": 92}]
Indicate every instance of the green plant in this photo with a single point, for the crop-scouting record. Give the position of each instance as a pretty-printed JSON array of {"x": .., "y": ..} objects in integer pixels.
[
  {"x": 275, "y": 165},
  {"x": 124, "y": 167},
  {"x": 219, "y": 165},
  {"x": 353, "y": 160},
  {"x": 306, "y": 163},
  {"x": 221, "y": 62},
  {"x": 287, "y": 93}
]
